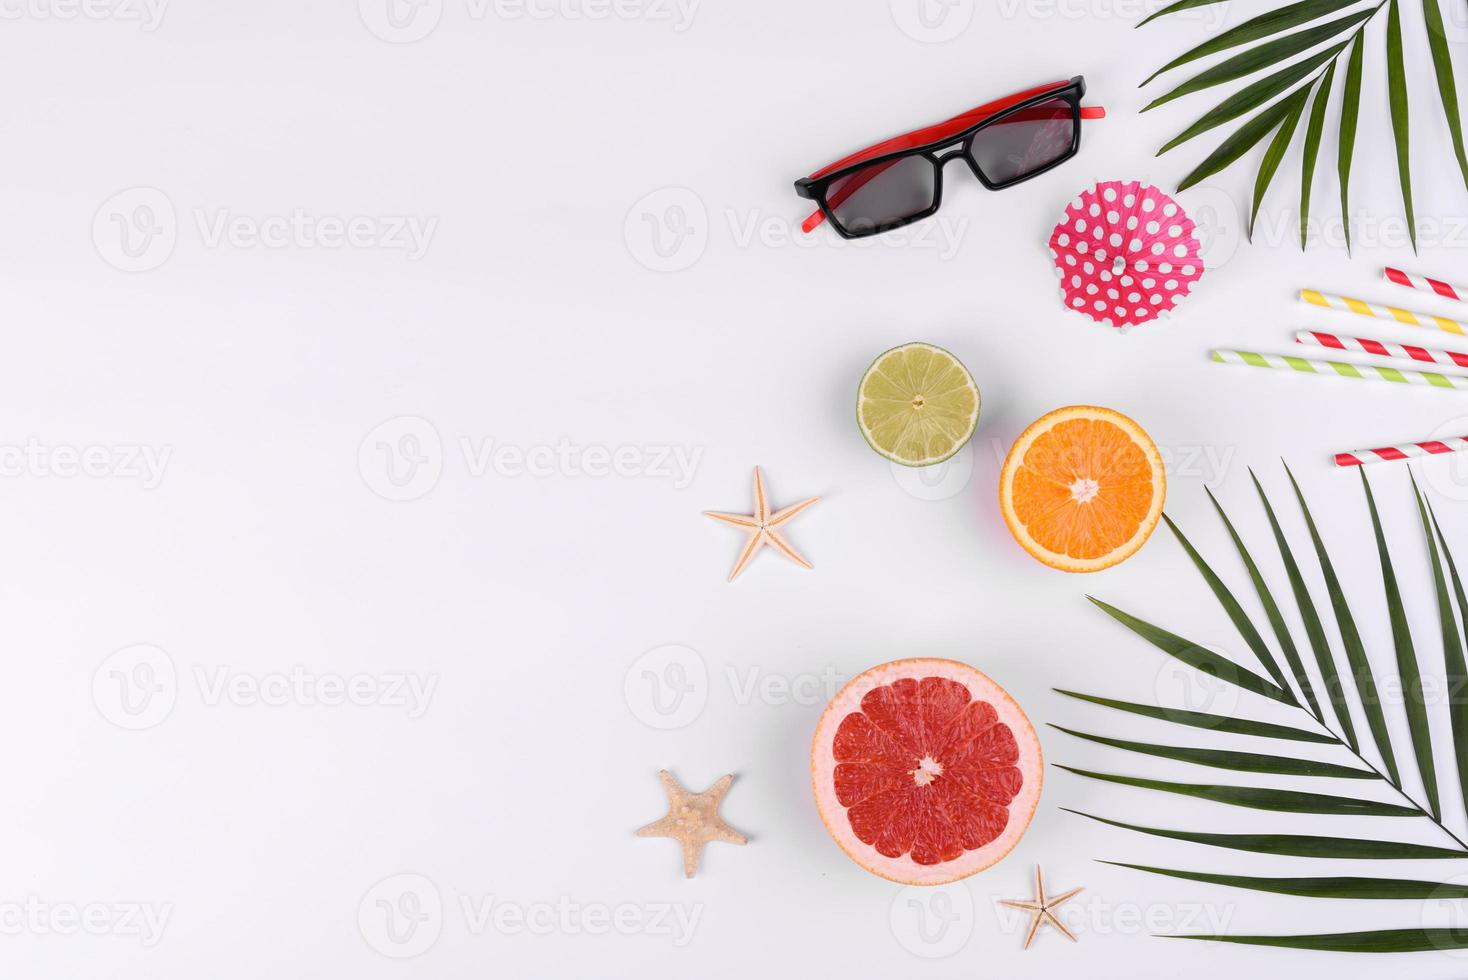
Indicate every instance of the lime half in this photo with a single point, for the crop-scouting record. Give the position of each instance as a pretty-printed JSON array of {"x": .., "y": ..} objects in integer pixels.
[{"x": 917, "y": 405}]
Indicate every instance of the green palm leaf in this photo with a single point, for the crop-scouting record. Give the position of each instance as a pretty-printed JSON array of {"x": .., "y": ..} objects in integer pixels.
[
  {"x": 1380, "y": 941},
  {"x": 1282, "y": 800},
  {"x": 1271, "y": 611},
  {"x": 1277, "y": 765},
  {"x": 1251, "y": 97},
  {"x": 1287, "y": 799},
  {"x": 1178, "y": 6},
  {"x": 1349, "y": 887},
  {"x": 1314, "y": 631},
  {"x": 1406, "y": 661},
  {"x": 1241, "y": 142},
  {"x": 1231, "y": 606},
  {"x": 1350, "y": 115},
  {"x": 1198, "y": 719},
  {"x": 1195, "y": 656},
  {"x": 1313, "y": 133},
  {"x": 1396, "y": 78},
  {"x": 1447, "y": 85},
  {"x": 1455, "y": 671},
  {"x": 1275, "y": 154},
  {"x": 1282, "y": 48},
  {"x": 1295, "y": 845},
  {"x": 1267, "y": 55},
  {"x": 1351, "y": 639},
  {"x": 1255, "y": 28}
]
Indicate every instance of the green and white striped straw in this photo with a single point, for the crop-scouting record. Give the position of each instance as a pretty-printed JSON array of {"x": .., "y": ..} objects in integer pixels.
[{"x": 1364, "y": 372}]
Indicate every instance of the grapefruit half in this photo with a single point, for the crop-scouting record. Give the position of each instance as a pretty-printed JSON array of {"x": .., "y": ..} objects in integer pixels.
[{"x": 925, "y": 771}]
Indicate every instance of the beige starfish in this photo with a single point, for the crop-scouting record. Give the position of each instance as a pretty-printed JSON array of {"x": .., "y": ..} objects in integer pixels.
[
  {"x": 693, "y": 819},
  {"x": 761, "y": 526},
  {"x": 1042, "y": 909}
]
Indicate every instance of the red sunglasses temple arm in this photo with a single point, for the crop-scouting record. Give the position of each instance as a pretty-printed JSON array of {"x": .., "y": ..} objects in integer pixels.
[
  {"x": 838, "y": 197},
  {"x": 927, "y": 135}
]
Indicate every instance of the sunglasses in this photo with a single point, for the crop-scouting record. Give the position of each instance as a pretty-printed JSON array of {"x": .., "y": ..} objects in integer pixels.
[{"x": 900, "y": 180}]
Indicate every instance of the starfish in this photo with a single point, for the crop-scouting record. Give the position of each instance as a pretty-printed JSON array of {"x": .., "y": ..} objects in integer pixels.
[
  {"x": 693, "y": 819},
  {"x": 762, "y": 527},
  {"x": 1042, "y": 909}
]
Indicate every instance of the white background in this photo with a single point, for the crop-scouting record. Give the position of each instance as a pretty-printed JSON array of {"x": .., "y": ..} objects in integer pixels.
[{"x": 544, "y": 152}]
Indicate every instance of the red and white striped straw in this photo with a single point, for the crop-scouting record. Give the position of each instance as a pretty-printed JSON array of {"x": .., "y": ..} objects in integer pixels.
[
  {"x": 1410, "y": 450},
  {"x": 1424, "y": 283},
  {"x": 1363, "y": 345}
]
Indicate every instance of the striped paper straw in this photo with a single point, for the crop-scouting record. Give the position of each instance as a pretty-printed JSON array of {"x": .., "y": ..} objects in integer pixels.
[
  {"x": 1364, "y": 372},
  {"x": 1409, "y": 450},
  {"x": 1362, "y": 345},
  {"x": 1381, "y": 312},
  {"x": 1423, "y": 282}
]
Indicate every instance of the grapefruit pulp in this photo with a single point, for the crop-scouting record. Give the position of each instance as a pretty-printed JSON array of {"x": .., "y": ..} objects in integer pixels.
[{"x": 925, "y": 771}]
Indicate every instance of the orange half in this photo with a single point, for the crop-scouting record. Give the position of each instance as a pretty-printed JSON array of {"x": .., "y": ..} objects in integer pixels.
[{"x": 1082, "y": 488}]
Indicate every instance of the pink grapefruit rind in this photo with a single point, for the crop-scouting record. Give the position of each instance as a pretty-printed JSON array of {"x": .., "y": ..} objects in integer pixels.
[{"x": 903, "y": 869}]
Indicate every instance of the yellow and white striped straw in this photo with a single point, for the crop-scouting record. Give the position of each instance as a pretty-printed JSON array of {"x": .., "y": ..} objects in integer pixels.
[
  {"x": 1380, "y": 311},
  {"x": 1363, "y": 372}
]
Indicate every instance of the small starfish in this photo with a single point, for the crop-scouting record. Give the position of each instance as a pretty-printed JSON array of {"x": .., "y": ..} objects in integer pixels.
[
  {"x": 761, "y": 526},
  {"x": 1042, "y": 909},
  {"x": 693, "y": 819}
]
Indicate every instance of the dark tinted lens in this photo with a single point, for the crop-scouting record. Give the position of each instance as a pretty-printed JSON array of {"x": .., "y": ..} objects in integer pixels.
[
  {"x": 1025, "y": 141},
  {"x": 871, "y": 199}
]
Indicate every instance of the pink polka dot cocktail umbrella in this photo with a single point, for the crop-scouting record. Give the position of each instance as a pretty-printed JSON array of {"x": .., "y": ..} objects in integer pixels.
[{"x": 1126, "y": 253}]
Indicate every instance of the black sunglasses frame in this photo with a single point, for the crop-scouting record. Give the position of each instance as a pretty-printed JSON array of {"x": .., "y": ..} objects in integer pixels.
[{"x": 817, "y": 188}]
